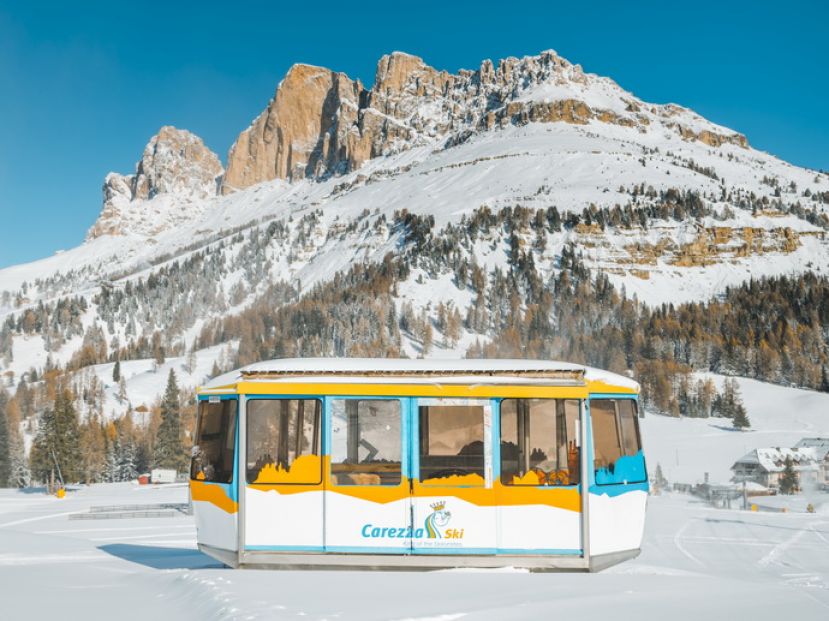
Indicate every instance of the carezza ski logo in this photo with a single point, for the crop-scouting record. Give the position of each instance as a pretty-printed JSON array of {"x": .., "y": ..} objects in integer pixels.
[
  {"x": 438, "y": 519},
  {"x": 434, "y": 527}
]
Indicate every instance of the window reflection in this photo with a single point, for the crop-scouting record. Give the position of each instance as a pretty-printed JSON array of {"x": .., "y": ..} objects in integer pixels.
[
  {"x": 540, "y": 442},
  {"x": 214, "y": 449},
  {"x": 451, "y": 444},
  {"x": 283, "y": 441},
  {"x": 365, "y": 441}
]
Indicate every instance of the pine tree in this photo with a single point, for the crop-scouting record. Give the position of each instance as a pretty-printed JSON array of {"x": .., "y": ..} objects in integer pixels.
[
  {"x": 116, "y": 372},
  {"x": 20, "y": 474},
  {"x": 5, "y": 441},
  {"x": 789, "y": 480},
  {"x": 56, "y": 447},
  {"x": 427, "y": 336},
  {"x": 740, "y": 420},
  {"x": 453, "y": 327},
  {"x": 126, "y": 468},
  {"x": 190, "y": 363},
  {"x": 824, "y": 379},
  {"x": 93, "y": 449},
  {"x": 113, "y": 451},
  {"x": 660, "y": 483},
  {"x": 122, "y": 390},
  {"x": 159, "y": 355},
  {"x": 169, "y": 451}
]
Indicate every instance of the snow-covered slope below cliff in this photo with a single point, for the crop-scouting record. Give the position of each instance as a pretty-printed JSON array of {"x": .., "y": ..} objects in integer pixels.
[
  {"x": 536, "y": 166},
  {"x": 590, "y": 146}
]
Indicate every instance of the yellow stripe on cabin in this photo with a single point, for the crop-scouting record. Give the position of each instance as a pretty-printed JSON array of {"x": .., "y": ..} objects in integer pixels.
[
  {"x": 214, "y": 494},
  {"x": 471, "y": 391}
]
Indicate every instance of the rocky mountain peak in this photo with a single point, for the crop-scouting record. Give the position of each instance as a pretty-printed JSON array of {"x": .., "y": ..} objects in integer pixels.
[
  {"x": 321, "y": 123},
  {"x": 175, "y": 163},
  {"x": 397, "y": 70},
  {"x": 302, "y": 133}
]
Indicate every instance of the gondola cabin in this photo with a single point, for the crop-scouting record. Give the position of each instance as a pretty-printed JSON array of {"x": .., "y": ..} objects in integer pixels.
[{"x": 419, "y": 464}]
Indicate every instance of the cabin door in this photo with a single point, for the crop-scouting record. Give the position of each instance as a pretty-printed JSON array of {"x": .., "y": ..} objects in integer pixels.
[
  {"x": 368, "y": 503},
  {"x": 538, "y": 476},
  {"x": 453, "y": 508},
  {"x": 283, "y": 472}
]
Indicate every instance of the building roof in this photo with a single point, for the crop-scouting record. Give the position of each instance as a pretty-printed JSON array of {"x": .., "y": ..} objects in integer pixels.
[
  {"x": 355, "y": 370},
  {"x": 821, "y": 446},
  {"x": 774, "y": 459}
]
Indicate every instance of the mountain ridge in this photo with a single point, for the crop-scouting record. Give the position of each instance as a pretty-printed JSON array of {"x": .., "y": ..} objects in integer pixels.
[
  {"x": 321, "y": 123},
  {"x": 410, "y": 99},
  {"x": 665, "y": 210}
]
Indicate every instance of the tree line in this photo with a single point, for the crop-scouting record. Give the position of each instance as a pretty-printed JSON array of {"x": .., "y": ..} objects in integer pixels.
[{"x": 66, "y": 449}]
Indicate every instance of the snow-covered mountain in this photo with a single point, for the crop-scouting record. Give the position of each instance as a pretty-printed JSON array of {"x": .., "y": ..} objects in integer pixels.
[
  {"x": 172, "y": 180},
  {"x": 669, "y": 205}
]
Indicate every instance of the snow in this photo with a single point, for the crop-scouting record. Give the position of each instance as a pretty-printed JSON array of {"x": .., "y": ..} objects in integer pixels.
[
  {"x": 314, "y": 368},
  {"x": 598, "y": 93},
  {"x": 577, "y": 164},
  {"x": 773, "y": 459},
  {"x": 688, "y": 448},
  {"x": 697, "y": 562},
  {"x": 145, "y": 380}
]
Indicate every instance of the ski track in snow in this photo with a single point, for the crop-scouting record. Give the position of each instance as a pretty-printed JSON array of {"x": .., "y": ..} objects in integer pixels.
[{"x": 681, "y": 548}]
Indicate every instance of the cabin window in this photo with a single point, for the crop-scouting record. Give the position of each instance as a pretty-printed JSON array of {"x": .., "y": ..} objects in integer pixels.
[
  {"x": 365, "y": 441},
  {"x": 215, "y": 448},
  {"x": 540, "y": 442},
  {"x": 452, "y": 445},
  {"x": 616, "y": 442},
  {"x": 283, "y": 441}
]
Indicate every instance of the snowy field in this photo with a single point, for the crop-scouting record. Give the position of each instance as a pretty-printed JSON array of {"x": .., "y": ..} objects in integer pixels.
[
  {"x": 687, "y": 448},
  {"x": 697, "y": 563}
]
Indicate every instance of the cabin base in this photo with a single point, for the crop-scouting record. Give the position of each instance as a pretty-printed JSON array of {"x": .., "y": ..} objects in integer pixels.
[
  {"x": 228, "y": 557},
  {"x": 598, "y": 562},
  {"x": 395, "y": 562}
]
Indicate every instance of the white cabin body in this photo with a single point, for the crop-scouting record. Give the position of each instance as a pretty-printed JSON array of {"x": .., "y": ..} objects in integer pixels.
[{"x": 419, "y": 464}]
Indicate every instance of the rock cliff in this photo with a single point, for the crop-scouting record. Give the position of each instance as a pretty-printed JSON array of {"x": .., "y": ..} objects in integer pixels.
[
  {"x": 321, "y": 123},
  {"x": 175, "y": 162}
]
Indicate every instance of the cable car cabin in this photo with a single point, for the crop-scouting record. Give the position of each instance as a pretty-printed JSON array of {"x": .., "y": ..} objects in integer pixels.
[{"x": 419, "y": 464}]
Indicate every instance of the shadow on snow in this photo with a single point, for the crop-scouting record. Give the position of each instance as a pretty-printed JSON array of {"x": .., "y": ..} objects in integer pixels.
[{"x": 160, "y": 557}]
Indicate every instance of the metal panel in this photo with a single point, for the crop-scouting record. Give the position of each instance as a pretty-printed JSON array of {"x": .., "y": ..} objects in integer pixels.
[
  {"x": 584, "y": 479},
  {"x": 241, "y": 469},
  {"x": 426, "y": 562}
]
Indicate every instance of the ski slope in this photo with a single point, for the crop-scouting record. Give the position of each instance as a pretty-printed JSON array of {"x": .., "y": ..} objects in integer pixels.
[
  {"x": 687, "y": 448},
  {"x": 697, "y": 562}
]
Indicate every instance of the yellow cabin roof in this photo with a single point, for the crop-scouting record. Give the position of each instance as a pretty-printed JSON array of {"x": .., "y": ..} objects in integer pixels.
[{"x": 406, "y": 377}]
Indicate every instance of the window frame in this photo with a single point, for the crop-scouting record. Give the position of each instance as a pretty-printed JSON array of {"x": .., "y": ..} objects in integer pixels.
[
  {"x": 560, "y": 413},
  {"x": 619, "y": 434},
  {"x": 488, "y": 408},
  {"x": 233, "y": 423},
  {"x": 319, "y": 435},
  {"x": 403, "y": 438}
]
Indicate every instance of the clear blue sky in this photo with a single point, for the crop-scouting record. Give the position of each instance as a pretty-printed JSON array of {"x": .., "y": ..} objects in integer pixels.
[{"x": 83, "y": 85}]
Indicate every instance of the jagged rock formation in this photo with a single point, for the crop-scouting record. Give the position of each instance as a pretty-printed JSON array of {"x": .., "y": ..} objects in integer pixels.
[
  {"x": 175, "y": 162},
  {"x": 321, "y": 122},
  {"x": 303, "y": 132}
]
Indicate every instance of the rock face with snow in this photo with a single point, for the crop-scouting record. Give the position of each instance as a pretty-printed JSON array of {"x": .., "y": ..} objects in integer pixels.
[
  {"x": 175, "y": 163},
  {"x": 302, "y": 133},
  {"x": 665, "y": 203},
  {"x": 321, "y": 123}
]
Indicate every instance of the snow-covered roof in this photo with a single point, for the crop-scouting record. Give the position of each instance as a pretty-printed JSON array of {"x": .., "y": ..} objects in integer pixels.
[
  {"x": 774, "y": 459},
  {"x": 502, "y": 371},
  {"x": 821, "y": 446}
]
